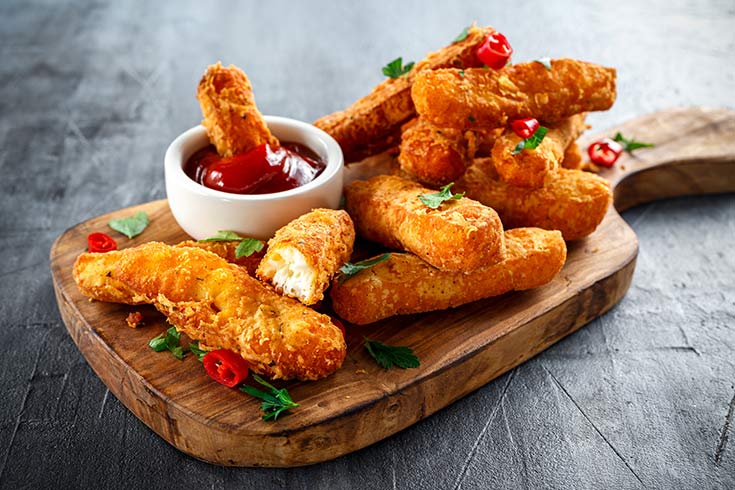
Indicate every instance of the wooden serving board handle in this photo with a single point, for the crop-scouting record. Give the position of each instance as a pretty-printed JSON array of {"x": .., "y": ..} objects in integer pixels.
[{"x": 694, "y": 154}]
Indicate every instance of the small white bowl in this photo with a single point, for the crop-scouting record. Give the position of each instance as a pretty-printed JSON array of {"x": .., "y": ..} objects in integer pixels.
[{"x": 202, "y": 211}]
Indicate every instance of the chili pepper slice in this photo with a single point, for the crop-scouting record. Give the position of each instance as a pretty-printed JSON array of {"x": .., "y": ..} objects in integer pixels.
[
  {"x": 100, "y": 242},
  {"x": 226, "y": 367},
  {"x": 525, "y": 128},
  {"x": 604, "y": 152},
  {"x": 495, "y": 51}
]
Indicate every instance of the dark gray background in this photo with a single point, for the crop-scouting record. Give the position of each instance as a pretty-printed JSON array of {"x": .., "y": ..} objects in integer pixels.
[{"x": 91, "y": 93}]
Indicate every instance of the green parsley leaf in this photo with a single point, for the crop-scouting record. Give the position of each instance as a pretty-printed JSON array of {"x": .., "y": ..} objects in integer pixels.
[
  {"x": 131, "y": 226},
  {"x": 435, "y": 200},
  {"x": 248, "y": 247},
  {"x": 274, "y": 401},
  {"x": 462, "y": 35},
  {"x": 532, "y": 142},
  {"x": 546, "y": 61},
  {"x": 461, "y": 73},
  {"x": 388, "y": 356},
  {"x": 222, "y": 236},
  {"x": 349, "y": 269},
  {"x": 471, "y": 118},
  {"x": 158, "y": 343},
  {"x": 630, "y": 144},
  {"x": 197, "y": 351},
  {"x": 396, "y": 68},
  {"x": 168, "y": 340}
]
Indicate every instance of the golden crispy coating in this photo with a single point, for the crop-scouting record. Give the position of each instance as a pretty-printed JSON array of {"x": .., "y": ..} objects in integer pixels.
[
  {"x": 227, "y": 250},
  {"x": 304, "y": 255},
  {"x": 221, "y": 305},
  {"x": 481, "y": 141},
  {"x": 529, "y": 167},
  {"x": 96, "y": 277},
  {"x": 406, "y": 284},
  {"x": 361, "y": 128},
  {"x": 481, "y": 98},
  {"x": 233, "y": 122},
  {"x": 571, "y": 201},
  {"x": 434, "y": 156},
  {"x": 572, "y": 157},
  {"x": 459, "y": 235}
]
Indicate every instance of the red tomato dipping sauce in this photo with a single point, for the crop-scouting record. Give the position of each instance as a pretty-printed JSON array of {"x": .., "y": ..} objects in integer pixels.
[{"x": 262, "y": 170}]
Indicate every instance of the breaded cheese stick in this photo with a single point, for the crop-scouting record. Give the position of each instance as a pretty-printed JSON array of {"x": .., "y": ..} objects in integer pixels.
[
  {"x": 529, "y": 167},
  {"x": 405, "y": 284},
  {"x": 480, "y": 98},
  {"x": 304, "y": 255},
  {"x": 460, "y": 235},
  {"x": 434, "y": 156},
  {"x": 361, "y": 128},
  {"x": 571, "y": 201},
  {"x": 96, "y": 278},
  {"x": 219, "y": 304},
  {"x": 572, "y": 157},
  {"x": 233, "y": 122}
]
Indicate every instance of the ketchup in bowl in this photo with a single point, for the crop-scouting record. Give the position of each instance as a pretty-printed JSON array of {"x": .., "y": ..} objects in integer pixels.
[{"x": 262, "y": 170}]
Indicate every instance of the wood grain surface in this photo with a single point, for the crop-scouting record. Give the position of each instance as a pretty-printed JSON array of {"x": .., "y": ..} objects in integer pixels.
[{"x": 460, "y": 349}]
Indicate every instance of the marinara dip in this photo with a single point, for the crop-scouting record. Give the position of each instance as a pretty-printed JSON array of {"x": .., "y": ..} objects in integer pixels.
[{"x": 261, "y": 170}]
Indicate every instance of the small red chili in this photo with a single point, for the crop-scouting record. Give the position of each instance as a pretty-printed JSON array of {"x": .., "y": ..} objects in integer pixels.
[
  {"x": 525, "y": 128},
  {"x": 604, "y": 152},
  {"x": 226, "y": 367},
  {"x": 100, "y": 242},
  {"x": 340, "y": 326},
  {"x": 495, "y": 51}
]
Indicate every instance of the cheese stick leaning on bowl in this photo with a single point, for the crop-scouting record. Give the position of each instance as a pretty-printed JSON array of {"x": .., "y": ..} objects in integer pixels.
[
  {"x": 571, "y": 201},
  {"x": 479, "y": 98},
  {"x": 460, "y": 235},
  {"x": 528, "y": 168},
  {"x": 304, "y": 255},
  {"x": 219, "y": 304},
  {"x": 405, "y": 284}
]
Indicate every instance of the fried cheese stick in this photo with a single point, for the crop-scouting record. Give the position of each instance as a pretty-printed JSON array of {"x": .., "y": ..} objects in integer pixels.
[
  {"x": 572, "y": 157},
  {"x": 365, "y": 127},
  {"x": 405, "y": 284},
  {"x": 529, "y": 167},
  {"x": 571, "y": 201},
  {"x": 219, "y": 304},
  {"x": 480, "y": 98},
  {"x": 304, "y": 255},
  {"x": 460, "y": 235},
  {"x": 233, "y": 122}
]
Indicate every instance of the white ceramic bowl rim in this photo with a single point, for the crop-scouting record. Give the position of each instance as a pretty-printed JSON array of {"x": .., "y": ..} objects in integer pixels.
[{"x": 175, "y": 159}]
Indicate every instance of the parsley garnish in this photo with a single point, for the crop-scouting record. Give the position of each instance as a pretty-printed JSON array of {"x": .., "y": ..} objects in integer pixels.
[
  {"x": 246, "y": 247},
  {"x": 396, "y": 68},
  {"x": 462, "y": 35},
  {"x": 131, "y": 226},
  {"x": 197, "y": 351},
  {"x": 471, "y": 118},
  {"x": 274, "y": 401},
  {"x": 546, "y": 61},
  {"x": 630, "y": 144},
  {"x": 168, "y": 340},
  {"x": 389, "y": 355},
  {"x": 461, "y": 73},
  {"x": 435, "y": 200},
  {"x": 349, "y": 269},
  {"x": 532, "y": 142}
]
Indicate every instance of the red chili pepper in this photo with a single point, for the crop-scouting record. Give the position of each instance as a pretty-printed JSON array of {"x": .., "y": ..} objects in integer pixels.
[
  {"x": 525, "y": 128},
  {"x": 226, "y": 367},
  {"x": 495, "y": 51},
  {"x": 100, "y": 242},
  {"x": 604, "y": 152},
  {"x": 339, "y": 325}
]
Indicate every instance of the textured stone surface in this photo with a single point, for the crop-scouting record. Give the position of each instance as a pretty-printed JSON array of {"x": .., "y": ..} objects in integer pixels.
[{"x": 91, "y": 93}]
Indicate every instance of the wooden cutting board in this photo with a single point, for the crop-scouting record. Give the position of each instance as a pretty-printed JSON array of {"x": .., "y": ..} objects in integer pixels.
[{"x": 460, "y": 349}]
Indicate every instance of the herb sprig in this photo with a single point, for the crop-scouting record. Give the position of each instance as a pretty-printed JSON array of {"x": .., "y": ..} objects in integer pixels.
[
  {"x": 197, "y": 351},
  {"x": 168, "y": 340},
  {"x": 532, "y": 142},
  {"x": 389, "y": 356},
  {"x": 435, "y": 200},
  {"x": 131, "y": 226},
  {"x": 546, "y": 61},
  {"x": 630, "y": 144},
  {"x": 275, "y": 401},
  {"x": 246, "y": 247},
  {"x": 349, "y": 269},
  {"x": 462, "y": 35},
  {"x": 396, "y": 68}
]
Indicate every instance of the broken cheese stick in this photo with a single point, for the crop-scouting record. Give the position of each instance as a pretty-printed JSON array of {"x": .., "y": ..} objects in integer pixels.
[
  {"x": 460, "y": 235},
  {"x": 405, "y": 284},
  {"x": 480, "y": 98},
  {"x": 528, "y": 168},
  {"x": 304, "y": 255}
]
